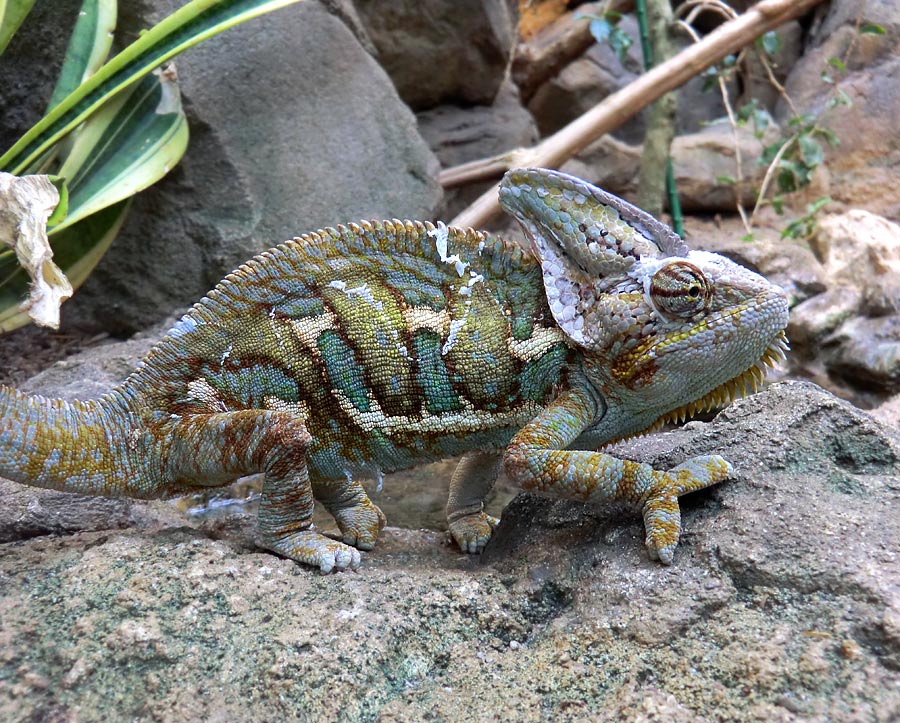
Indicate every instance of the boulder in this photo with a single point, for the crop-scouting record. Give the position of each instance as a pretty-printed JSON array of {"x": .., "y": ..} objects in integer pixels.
[
  {"x": 458, "y": 134},
  {"x": 439, "y": 52},
  {"x": 862, "y": 250},
  {"x": 866, "y": 353}
]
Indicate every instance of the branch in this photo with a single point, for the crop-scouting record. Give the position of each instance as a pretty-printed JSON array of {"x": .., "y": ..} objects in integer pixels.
[{"x": 617, "y": 108}]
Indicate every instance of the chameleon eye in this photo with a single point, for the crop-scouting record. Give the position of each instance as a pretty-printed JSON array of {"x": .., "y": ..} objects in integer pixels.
[{"x": 679, "y": 289}]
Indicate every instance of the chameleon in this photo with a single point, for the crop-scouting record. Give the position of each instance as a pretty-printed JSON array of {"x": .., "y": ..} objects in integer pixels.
[{"x": 358, "y": 350}]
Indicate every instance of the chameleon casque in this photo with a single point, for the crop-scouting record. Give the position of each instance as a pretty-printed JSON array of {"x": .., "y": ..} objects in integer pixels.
[{"x": 374, "y": 347}]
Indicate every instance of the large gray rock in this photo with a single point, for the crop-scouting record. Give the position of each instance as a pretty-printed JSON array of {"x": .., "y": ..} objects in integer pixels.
[
  {"x": 783, "y": 604},
  {"x": 440, "y": 52},
  {"x": 294, "y": 127},
  {"x": 460, "y": 134},
  {"x": 866, "y": 352}
]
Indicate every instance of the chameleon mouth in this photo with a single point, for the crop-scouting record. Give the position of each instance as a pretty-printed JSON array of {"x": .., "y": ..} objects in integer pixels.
[{"x": 740, "y": 386}]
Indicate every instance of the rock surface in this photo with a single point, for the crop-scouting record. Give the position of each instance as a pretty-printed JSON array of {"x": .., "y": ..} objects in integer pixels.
[
  {"x": 438, "y": 52},
  {"x": 458, "y": 134},
  {"x": 783, "y": 603},
  {"x": 294, "y": 127}
]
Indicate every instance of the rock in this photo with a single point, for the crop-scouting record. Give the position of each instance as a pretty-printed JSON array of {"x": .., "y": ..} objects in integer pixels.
[
  {"x": 700, "y": 161},
  {"x": 814, "y": 319},
  {"x": 548, "y": 47},
  {"x": 439, "y": 52},
  {"x": 888, "y": 412},
  {"x": 863, "y": 167},
  {"x": 866, "y": 352},
  {"x": 294, "y": 127},
  {"x": 786, "y": 572},
  {"x": 862, "y": 250},
  {"x": 460, "y": 134},
  {"x": 755, "y": 81},
  {"x": 583, "y": 83}
]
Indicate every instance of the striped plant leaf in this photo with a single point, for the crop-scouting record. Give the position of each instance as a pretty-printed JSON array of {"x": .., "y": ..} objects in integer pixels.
[
  {"x": 131, "y": 143},
  {"x": 88, "y": 47}
]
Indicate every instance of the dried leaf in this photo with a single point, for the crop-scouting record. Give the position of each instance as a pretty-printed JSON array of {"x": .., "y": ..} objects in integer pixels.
[{"x": 25, "y": 205}]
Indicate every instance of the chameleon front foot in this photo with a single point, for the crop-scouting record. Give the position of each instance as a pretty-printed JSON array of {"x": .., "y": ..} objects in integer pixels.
[
  {"x": 312, "y": 548},
  {"x": 662, "y": 516},
  {"x": 472, "y": 531}
]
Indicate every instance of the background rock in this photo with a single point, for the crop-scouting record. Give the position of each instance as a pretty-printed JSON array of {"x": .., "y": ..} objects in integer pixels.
[
  {"x": 459, "y": 134},
  {"x": 438, "y": 52}
]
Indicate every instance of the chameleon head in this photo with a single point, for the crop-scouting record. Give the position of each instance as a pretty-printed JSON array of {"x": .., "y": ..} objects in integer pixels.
[{"x": 664, "y": 331}]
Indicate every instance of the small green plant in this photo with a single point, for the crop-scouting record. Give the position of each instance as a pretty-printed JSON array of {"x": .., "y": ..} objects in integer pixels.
[
  {"x": 605, "y": 29},
  {"x": 111, "y": 129}
]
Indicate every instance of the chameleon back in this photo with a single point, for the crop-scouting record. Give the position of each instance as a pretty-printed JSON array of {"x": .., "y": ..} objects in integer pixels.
[{"x": 394, "y": 342}]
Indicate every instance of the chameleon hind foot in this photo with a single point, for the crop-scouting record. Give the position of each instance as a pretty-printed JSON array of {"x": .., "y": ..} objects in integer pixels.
[
  {"x": 360, "y": 524},
  {"x": 313, "y": 548},
  {"x": 472, "y": 530},
  {"x": 358, "y": 518},
  {"x": 662, "y": 516},
  {"x": 472, "y": 480}
]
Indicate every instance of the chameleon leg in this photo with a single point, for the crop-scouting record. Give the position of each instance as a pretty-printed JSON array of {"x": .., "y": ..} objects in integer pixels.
[
  {"x": 360, "y": 520},
  {"x": 219, "y": 447},
  {"x": 472, "y": 480},
  {"x": 537, "y": 459}
]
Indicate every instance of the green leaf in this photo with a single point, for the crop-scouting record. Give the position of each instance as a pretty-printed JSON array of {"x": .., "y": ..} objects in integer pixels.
[
  {"x": 196, "y": 21},
  {"x": 600, "y": 29},
  {"x": 726, "y": 180},
  {"x": 770, "y": 42},
  {"x": 620, "y": 42},
  {"x": 76, "y": 250},
  {"x": 837, "y": 63},
  {"x": 131, "y": 143},
  {"x": 62, "y": 208},
  {"x": 88, "y": 47},
  {"x": 872, "y": 29},
  {"x": 12, "y": 13},
  {"x": 811, "y": 151},
  {"x": 817, "y": 205}
]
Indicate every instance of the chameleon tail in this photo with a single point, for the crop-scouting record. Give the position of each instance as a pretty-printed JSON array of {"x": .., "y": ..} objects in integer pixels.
[{"x": 74, "y": 447}]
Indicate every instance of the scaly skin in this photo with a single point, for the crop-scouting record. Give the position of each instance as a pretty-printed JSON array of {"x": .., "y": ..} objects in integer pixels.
[{"x": 375, "y": 347}]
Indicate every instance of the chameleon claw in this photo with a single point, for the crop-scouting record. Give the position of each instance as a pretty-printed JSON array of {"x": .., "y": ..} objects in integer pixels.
[
  {"x": 473, "y": 531},
  {"x": 662, "y": 516},
  {"x": 315, "y": 549}
]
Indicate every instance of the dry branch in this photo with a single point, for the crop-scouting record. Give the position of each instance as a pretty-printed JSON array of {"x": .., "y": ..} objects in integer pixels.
[{"x": 617, "y": 108}]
